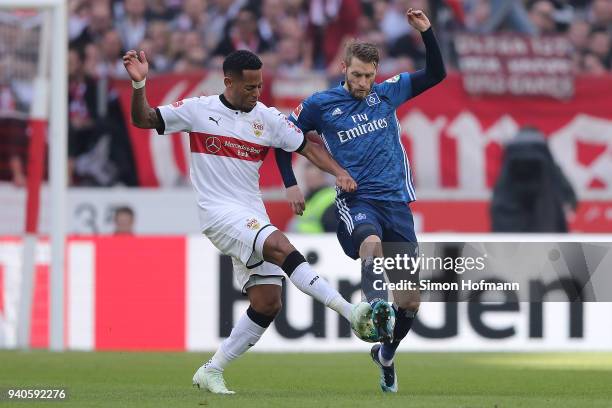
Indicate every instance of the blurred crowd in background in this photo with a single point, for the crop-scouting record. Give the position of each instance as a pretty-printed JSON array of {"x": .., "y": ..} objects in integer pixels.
[
  {"x": 293, "y": 37},
  {"x": 297, "y": 36}
]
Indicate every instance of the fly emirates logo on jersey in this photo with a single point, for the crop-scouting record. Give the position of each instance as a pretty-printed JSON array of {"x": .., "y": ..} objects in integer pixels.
[{"x": 364, "y": 127}]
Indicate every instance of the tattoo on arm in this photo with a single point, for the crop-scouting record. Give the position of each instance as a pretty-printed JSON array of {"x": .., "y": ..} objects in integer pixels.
[{"x": 143, "y": 116}]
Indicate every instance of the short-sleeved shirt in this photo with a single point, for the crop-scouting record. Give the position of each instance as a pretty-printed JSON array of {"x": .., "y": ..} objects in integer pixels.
[
  {"x": 227, "y": 149},
  {"x": 364, "y": 136}
]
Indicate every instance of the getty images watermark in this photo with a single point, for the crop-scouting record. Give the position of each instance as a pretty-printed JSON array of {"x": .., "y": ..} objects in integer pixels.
[
  {"x": 499, "y": 271},
  {"x": 414, "y": 265}
]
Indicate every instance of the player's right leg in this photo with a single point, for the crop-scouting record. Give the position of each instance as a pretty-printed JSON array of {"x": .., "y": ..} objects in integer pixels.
[
  {"x": 278, "y": 250},
  {"x": 359, "y": 234},
  {"x": 370, "y": 247},
  {"x": 265, "y": 303},
  {"x": 400, "y": 240},
  {"x": 360, "y": 228}
]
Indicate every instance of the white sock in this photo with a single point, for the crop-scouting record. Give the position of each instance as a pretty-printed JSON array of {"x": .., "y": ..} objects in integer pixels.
[
  {"x": 383, "y": 360},
  {"x": 307, "y": 280},
  {"x": 244, "y": 335}
]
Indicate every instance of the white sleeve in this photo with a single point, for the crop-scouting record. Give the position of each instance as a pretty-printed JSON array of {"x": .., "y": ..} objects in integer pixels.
[
  {"x": 177, "y": 117},
  {"x": 287, "y": 136}
]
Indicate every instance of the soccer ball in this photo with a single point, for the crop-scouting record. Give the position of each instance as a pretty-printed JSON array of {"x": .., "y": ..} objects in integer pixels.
[
  {"x": 371, "y": 334},
  {"x": 368, "y": 333}
]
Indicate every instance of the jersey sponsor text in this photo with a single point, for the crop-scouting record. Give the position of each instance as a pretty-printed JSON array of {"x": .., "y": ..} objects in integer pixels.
[{"x": 362, "y": 128}]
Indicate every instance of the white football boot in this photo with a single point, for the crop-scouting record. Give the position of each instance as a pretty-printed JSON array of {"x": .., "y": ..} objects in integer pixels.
[{"x": 210, "y": 379}]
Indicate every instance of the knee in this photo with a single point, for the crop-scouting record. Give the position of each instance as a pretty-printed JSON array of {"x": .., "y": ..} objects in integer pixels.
[
  {"x": 371, "y": 240},
  {"x": 409, "y": 305},
  {"x": 274, "y": 307},
  {"x": 276, "y": 248},
  {"x": 269, "y": 307},
  {"x": 370, "y": 245}
]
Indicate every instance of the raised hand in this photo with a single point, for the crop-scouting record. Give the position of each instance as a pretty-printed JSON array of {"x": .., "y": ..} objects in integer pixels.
[
  {"x": 136, "y": 65},
  {"x": 418, "y": 19}
]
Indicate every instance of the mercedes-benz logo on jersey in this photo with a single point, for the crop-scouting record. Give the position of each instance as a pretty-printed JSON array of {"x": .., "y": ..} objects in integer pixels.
[
  {"x": 372, "y": 99},
  {"x": 213, "y": 144}
]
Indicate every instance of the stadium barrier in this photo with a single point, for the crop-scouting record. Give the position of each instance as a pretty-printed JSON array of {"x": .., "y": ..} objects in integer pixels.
[
  {"x": 178, "y": 293},
  {"x": 90, "y": 211}
]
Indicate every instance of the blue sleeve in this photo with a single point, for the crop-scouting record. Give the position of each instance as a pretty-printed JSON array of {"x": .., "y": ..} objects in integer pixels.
[
  {"x": 283, "y": 161},
  {"x": 404, "y": 86},
  {"x": 398, "y": 88},
  {"x": 434, "y": 71},
  {"x": 306, "y": 115}
]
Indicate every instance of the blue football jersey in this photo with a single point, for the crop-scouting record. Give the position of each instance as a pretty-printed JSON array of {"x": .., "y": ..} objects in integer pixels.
[{"x": 363, "y": 136}]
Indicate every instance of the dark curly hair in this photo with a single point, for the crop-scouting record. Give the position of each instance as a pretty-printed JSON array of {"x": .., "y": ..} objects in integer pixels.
[{"x": 238, "y": 61}]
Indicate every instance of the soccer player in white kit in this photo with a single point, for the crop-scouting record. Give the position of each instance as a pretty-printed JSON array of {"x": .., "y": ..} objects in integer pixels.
[{"x": 230, "y": 135}]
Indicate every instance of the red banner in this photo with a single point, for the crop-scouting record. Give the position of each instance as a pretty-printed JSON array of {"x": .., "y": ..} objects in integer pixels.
[
  {"x": 513, "y": 64},
  {"x": 454, "y": 140}
]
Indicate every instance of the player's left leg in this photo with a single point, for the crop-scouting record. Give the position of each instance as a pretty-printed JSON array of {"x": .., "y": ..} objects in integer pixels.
[
  {"x": 265, "y": 303},
  {"x": 278, "y": 250},
  {"x": 250, "y": 237}
]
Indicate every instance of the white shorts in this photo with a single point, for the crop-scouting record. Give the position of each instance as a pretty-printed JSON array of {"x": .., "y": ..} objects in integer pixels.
[
  {"x": 241, "y": 234},
  {"x": 265, "y": 274}
]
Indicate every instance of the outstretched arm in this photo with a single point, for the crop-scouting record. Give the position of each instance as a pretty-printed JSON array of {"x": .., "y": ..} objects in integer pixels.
[
  {"x": 323, "y": 160},
  {"x": 143, "y": 116},
  {"x": 434, "y": 71}
]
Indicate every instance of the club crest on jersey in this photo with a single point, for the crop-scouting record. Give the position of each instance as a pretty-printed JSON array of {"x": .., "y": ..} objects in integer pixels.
[
  {"x": 372, "y": 99},
  {"x": 393, "y": 79},
  {"x": 258, "y": 128},
  {"x": 296, "y": 112},
  {"x": 360, "y": 217},
  {"x": 177, "y": 104},
  {"x": 253, "y": 224}
]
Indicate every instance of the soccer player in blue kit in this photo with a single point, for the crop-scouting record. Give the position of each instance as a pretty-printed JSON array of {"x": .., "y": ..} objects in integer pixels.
[{"x": 358, "y": 125}]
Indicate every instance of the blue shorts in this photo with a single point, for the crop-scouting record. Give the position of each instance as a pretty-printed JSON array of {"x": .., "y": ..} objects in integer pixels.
[{"x": 391, "y": 219}]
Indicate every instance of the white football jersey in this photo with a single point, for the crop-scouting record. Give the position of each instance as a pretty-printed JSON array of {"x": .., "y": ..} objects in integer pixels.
[{"x": 227, "y": 149}]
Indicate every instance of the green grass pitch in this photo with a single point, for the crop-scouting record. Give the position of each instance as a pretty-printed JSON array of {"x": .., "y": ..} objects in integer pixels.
[{"x": 470, "y": 380}]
